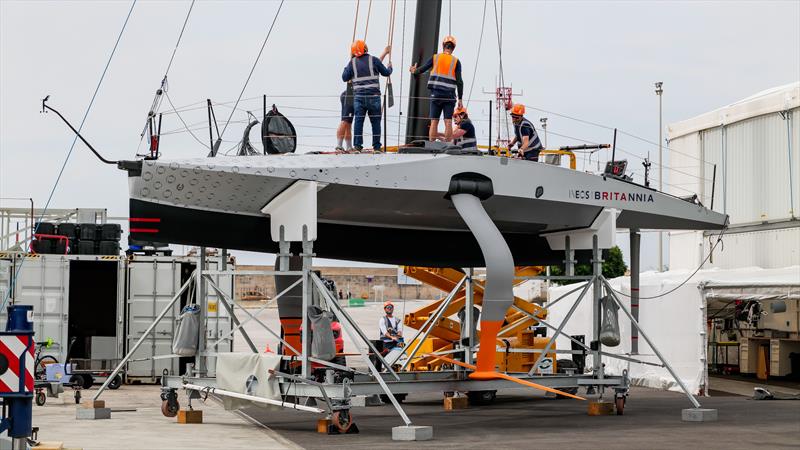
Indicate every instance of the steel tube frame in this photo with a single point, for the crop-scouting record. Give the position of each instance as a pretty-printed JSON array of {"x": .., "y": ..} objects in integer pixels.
[
  {"x": 335, "y": 305},
  {"x": 230, "y": 308},
  {"x": 199, "y": 358},
  {"x": 431, "y": 322},
  {"x": 558, "y": 331},
  {"x": 635, "y": 245},
  {"x": 252, "y": 398},
  {"x": 143, "y": 337},
  {"x": 468, "y": 316},
  {"x": 635, "y": 323},
  {"x": 349, "y": 326}
]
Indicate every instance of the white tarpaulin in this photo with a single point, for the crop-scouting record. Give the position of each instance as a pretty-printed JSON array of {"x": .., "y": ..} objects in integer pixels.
[
  {"x": 248, "y": 373},
  {"x": 675, "y": 322}
]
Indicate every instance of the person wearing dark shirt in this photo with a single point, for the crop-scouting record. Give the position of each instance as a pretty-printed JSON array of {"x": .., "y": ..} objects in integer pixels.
[
  {"x": 444, "y": 83},
  {"x": 364, "y": 72},
  {"x": 524, "y": 135},
  {"x": 464, "y": 134}
]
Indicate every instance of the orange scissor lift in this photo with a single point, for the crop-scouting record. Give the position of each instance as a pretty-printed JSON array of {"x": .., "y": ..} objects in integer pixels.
[{"x": 446, "y": 332}]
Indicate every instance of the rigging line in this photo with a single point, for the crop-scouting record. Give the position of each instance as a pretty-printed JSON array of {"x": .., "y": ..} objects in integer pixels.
[
  {"x": 477, "y": 58},
  {"x": 366, "y": 27},
  {"x": 169, "y": 100},
  {"x": 72, "y": 146},
  {"x": 450, "y": 18},
  {"x": 252, "y": 69},
  {"x": 157, "y": 101},
  {"x": 355, "y": 24},
  {"x": 402, "y": 66}
]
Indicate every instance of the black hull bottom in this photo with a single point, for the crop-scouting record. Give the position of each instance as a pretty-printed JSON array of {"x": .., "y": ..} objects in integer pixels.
[{"x": 354, "y": 243}]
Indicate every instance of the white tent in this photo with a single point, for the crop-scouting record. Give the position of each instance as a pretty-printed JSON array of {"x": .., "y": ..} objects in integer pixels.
[{"x": 675, "y": 321}]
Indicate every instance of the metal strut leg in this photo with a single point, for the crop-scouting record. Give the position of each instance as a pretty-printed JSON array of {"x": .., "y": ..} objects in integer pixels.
[{"x": 498, "y": 293}]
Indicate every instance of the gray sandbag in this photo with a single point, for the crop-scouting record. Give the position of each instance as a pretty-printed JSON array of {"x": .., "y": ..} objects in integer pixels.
[
  {"x": 322, "y": 343},
  {"x": 187, "y": 336},
  {"x": 609, "y": 331}
]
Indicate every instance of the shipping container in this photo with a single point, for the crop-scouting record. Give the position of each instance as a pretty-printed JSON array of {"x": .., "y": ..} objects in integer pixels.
[
  {"x": 152, "y": 281},
  {"x": 76, "y": 300}
]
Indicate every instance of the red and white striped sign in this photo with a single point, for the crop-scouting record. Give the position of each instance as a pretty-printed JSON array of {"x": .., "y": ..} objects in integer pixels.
[{"x": 13, "y": 347}]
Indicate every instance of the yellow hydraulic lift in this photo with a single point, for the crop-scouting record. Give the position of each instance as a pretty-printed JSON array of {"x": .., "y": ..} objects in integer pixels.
[{"x": 515, "y": 334}]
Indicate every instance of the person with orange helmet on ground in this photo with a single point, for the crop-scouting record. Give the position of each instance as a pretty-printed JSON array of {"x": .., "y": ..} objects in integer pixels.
[
  {"x": 364, "y": 72},
  {"x": 445, "y": 86},
  {"x": 525, "y": 135},
  {"x": 391, "y": 327},
  {"x": 464, "y": 134}
]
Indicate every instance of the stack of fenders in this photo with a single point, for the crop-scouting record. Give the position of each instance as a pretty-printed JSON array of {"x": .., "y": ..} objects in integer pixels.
[{"x": 77, "y": 239}]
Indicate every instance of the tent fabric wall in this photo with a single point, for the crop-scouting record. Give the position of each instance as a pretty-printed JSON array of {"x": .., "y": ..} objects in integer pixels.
[{"x": 676, "y": 322}]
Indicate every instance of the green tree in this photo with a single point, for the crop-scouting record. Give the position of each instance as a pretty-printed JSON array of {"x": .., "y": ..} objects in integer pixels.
[{"x": 613, "y": 266}]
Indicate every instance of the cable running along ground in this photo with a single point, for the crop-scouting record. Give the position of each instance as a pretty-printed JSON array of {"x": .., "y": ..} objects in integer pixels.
[{"x": 72, "y": 146}]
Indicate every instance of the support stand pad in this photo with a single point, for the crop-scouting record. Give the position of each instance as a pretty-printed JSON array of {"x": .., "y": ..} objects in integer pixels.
[
  {"x": 92, "y": 410},
  {"x": 699, "y": 415},
  {"x": 412, "y": 433}
]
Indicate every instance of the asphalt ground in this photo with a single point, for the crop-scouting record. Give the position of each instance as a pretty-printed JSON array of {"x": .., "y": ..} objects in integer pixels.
[{"x": 524, "y": 419}]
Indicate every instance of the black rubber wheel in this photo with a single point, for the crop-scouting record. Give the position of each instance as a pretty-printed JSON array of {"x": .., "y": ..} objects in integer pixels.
[
  {"x": 342, "y": 420},
  {"x": 77, "y": 380},
  {"x": 115, "y": 383},
  {"x": 88, "y": 381},
  {"x": 481, "y": 397},
  {"x": 41, "y": 399},
  {"x": 619, "y": 402},
  {"x": 40, "y": 371},
  {"x": 169, "y": 408},
  {"x": 562, "y": 365}
]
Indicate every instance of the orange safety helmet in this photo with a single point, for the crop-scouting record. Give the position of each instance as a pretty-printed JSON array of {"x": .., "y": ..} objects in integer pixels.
[
  {"x": 388, "y": 303},
  {"x": 460, "y": 110},
  {"x": 518, "y": 110},
  {"x": 358, "y": 48},
  {"x": 449, "y": 39}
]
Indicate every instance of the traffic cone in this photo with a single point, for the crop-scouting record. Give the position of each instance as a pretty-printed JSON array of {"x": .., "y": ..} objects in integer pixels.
[{"x": 268, "y": 350}]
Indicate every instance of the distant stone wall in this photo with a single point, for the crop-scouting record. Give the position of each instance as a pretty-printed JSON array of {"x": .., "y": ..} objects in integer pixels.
[{"x": 357, "y": 281}]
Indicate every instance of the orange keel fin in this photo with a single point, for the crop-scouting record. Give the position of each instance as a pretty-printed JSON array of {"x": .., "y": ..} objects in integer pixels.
[{"x": 496, "y": 375}]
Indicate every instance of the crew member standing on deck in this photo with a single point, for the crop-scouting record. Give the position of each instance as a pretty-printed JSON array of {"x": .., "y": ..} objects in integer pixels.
[
  {"x": 443, "y": 84},
  {"x": 364, "y": 71},
  {"x": 525, "y": 135},
  {"x": 344, "y": 133}
]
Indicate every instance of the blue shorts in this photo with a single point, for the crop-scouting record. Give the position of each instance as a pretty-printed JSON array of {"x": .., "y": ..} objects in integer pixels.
[
  {"x": 442, "y": 105},
  {"x": 348, "y": 109}
]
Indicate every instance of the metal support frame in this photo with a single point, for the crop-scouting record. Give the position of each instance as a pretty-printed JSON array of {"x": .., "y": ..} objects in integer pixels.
[
  {"x": 468, "y": 316},
  {"x": 430, "y": 323},
  {"x": 636, "y": 239},
  {"x": 199, "y": 358},
  {"x": 635, "y": 323},
  {"x": 559, "y": 329},
  {"x": 349, "y": 327},
  {"x": 597, "y": 271},
  {"x": 143, "y": 337}
]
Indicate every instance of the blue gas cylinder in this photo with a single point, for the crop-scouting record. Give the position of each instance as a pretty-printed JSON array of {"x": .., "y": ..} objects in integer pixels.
[{"x": 20, "y": 319}]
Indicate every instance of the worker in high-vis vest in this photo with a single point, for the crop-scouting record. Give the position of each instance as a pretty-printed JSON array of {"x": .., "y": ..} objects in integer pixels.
[
  {"x": 525, "y": 135},
  {"x": 364, "y": 72},
  {"x": 464, "y": 134},
  {"x": 445, "y": 86}
]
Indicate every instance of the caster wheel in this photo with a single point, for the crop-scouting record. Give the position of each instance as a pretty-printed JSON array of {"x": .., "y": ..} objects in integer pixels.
[
  {"x": 41, "y": 398},
  {"x": 619, "y": 402},
  {"x": 342, "y": 421},
  {"x": 169, "y": 408}
]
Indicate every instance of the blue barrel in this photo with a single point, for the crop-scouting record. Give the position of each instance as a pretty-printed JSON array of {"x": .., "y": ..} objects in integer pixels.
[{"x": 20, "y": 319}]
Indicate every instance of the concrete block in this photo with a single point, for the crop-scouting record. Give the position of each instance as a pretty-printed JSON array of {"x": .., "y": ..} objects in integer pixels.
[
  {"x": 322, "y": 425},
  {"x": 190, "y": 416},
  {"x": 699, "y": 415},
  {"x": 358, "y": 401},
  {"x": 412, "y": 433},
  {"x": 451, "y": 403},
  {"x": 373, "y": 400},
  {"x": 82, "y": 413},
  {"x": 601, "y": 408},
  {"x": 93, "y": 404}
]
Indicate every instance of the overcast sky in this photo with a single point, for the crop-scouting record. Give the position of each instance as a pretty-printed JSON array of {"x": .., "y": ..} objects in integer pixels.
[{"x": 595, "y": 61}]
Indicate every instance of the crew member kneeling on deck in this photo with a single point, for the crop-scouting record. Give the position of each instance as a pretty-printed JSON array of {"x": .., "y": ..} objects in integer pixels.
[
  {"x": 464, "y": 134},
  {"x": 524, "y": 135},
  {"x": 443, "y": 84},
  {"x": 364, "y": 71}
]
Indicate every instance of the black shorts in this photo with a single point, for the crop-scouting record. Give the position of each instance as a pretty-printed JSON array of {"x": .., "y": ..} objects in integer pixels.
[
  {"x": 348, "y": 109},
  {"x": 442, "y": 105}
]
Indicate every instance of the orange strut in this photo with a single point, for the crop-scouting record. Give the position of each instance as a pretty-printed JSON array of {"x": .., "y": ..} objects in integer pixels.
[{"x": 510, "y": 378}]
